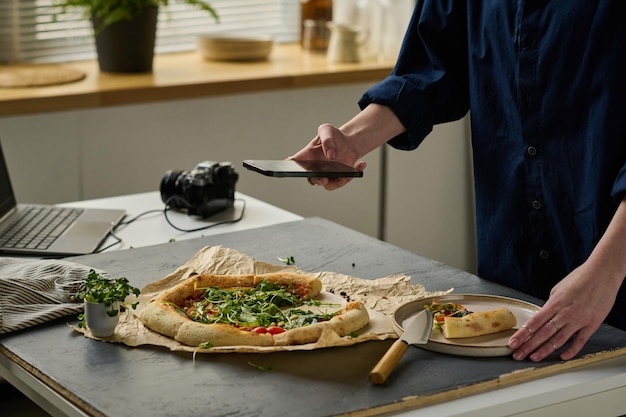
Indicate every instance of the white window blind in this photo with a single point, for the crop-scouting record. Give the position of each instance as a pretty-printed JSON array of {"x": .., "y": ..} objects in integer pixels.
[{"x": 34, "y": 31}]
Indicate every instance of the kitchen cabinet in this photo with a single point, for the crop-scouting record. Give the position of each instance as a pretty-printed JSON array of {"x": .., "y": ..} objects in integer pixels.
[{"x": 429, "y": 197}]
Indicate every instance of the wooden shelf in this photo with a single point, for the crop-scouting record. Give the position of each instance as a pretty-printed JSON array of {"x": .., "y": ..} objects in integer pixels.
[{"x": 188, "y": 75}]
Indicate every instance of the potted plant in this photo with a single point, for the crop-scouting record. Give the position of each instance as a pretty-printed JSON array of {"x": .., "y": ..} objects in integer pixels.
[
  {"x": 125, "y": 30},
  {"x": 104, "y": 300}
]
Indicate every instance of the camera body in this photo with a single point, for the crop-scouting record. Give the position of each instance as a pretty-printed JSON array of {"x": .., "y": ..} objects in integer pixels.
[{"x": 203, "y": 191}]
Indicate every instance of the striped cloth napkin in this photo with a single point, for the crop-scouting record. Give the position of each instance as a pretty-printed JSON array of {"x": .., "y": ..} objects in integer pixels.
[{"x": 29, "y": 296}]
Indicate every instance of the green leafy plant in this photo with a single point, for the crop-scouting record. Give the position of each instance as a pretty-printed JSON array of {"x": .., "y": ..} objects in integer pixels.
[
  {"x": 110, "y": 292},
  {"x": 111, "y": 11}
]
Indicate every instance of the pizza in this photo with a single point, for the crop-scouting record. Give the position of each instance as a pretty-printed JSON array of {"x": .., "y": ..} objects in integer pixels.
[
  {"x": 455, "y": 321},
  {"x": 274, "y": 309}
]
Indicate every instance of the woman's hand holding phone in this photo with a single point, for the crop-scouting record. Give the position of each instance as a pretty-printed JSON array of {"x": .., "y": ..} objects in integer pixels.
[{"x": 330, "y": 144}]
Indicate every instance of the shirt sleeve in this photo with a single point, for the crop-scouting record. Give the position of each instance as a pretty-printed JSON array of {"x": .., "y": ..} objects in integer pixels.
[
  {"x": 619, "y": 186},
  {"x": 429, "y": 83}
]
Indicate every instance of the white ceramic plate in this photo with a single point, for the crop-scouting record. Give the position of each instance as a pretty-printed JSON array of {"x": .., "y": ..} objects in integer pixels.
[{"x": 483, "y": 346}]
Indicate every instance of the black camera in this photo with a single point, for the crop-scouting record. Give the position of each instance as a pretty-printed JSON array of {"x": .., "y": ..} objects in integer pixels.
[{"x": 205, "y": 190}]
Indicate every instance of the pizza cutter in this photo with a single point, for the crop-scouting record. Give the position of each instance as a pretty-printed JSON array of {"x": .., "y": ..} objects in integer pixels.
[{"x": 416, "y": 332}]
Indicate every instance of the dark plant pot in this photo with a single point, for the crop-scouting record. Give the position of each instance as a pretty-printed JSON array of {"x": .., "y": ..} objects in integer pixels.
[{"x": 128, "y": 45}]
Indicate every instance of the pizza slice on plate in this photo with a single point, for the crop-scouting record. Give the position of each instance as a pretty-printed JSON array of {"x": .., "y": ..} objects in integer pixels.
[
  {"x": 455, "y": 321},
  {"x": 274, "y": 309}
]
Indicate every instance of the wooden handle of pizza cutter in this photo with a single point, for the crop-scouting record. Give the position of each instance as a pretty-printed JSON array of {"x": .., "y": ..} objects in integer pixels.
[{"x": 388, "y": 362}]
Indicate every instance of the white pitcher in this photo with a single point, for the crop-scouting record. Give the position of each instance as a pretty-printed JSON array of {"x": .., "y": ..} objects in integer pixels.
[{"x": 344, "y": 43}]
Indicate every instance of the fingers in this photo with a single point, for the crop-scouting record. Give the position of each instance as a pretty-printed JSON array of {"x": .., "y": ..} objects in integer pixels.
[
  {"x": 361, "y": 165},
  {"x": 576, "y": 344},
  {"x": 552, "y": 338},
  {"x": 331, "y": 184},
  {"x": 326, "y": 134},
  {"x": 329, "y": 144},
  {"x": 328, "y": 183},
  {"x": 536, "y": 340},
  {"x": 312, "y": 151},
  {"x": 322, "y": 146}
]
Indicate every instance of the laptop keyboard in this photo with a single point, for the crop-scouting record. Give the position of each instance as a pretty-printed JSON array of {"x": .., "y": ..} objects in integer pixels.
[{"x": 38, "y": 227}]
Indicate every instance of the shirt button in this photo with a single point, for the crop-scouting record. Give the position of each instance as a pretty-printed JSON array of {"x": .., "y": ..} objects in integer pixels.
[
  {"x": 544, "y": 254},
  {"x": 532, "y": 151},
  {"x": 536, "y": 205}
]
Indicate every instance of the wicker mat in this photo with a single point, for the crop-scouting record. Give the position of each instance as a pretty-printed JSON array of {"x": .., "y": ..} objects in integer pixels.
[{"x": 15, "y": 76}]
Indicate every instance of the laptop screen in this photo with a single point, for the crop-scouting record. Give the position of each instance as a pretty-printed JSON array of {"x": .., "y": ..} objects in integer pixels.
[{"x": 7, "y": 198}]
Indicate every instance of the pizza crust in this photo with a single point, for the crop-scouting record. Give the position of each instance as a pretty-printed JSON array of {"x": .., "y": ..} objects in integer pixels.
[
  {"x": 353, "y": 318},
  {"x": 192, "y": 333},
  {"x": 307, "y": 286},
  {"x": 479, "y": 323},
  {"x": 161, "y": 316}
]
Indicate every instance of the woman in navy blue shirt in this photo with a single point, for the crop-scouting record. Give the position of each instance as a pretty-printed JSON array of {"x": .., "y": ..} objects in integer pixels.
[{"x": 545, "y": 83}]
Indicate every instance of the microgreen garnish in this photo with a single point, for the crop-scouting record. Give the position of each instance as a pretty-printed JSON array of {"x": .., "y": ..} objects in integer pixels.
[
  {"x": 288, "y": 260},
  {"x": 267, "y": 305},
  {"x": 260, "y": 367},
  {"x": 205, "y": 345}
]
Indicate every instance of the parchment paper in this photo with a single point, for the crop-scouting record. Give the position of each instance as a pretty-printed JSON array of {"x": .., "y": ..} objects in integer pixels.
[{"x": 381, "y": 297}]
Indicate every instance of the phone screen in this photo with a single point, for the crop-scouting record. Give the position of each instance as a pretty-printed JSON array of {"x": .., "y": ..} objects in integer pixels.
[{"x": 293, "y": 168}]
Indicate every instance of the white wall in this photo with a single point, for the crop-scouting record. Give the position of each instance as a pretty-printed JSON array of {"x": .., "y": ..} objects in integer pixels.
[
  {"x": 93, "y": 153},
  {"x": 102, "y": 152}
]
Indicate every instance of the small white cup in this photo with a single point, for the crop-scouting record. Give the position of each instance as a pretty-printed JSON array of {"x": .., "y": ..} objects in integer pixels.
[{"x": 99, "y": 323}]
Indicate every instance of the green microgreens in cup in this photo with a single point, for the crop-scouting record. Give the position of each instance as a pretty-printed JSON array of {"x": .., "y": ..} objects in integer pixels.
[{"x": 102, "y": 290}]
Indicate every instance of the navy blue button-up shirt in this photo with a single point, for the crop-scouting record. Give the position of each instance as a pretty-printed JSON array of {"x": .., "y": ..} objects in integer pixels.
[{"x": 545, "y": 81}]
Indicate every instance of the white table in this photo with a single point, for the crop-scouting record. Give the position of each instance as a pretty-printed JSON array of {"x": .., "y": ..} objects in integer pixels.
[
  {"x": 597, "y": 389},
  {"x": 593, "y": 390},
  {"x": 153, "y": 228}
]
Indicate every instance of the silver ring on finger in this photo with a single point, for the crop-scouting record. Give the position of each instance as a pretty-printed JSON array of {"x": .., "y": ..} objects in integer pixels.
[
  {"x": 530, "y": 332},
  {"x": 556, "y": 326},
  {"x": 553, "y": 346}
]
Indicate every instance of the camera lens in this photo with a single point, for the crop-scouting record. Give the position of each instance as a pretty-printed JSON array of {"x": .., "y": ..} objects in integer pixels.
[{"x": 171, "y": 186}]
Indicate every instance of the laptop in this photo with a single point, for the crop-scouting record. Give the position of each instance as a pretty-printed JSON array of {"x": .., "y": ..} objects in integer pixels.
[{"x": 48, "y": 230}]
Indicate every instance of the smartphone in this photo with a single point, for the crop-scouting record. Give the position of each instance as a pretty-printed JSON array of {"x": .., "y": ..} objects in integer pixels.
[{"x": 293, "y": 168}]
